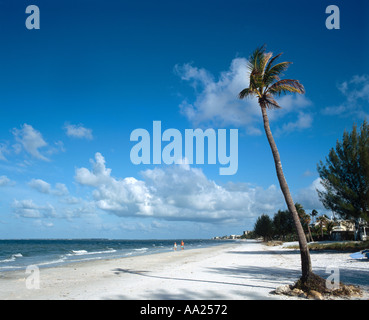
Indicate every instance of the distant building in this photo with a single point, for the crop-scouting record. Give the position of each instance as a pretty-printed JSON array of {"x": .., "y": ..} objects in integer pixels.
[
  {"x": 343, "y": 230},
  {"x": 230, "y": 237},
  {"x": 350, "y": 230}
]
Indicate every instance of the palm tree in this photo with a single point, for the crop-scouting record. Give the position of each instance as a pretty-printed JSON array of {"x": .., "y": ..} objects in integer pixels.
[
  {"x": 265, "y": 84},
  {"x": 305, "y": 219},
  {"x": 313, "y": 214},
  {"x": 322, "y": 221}
]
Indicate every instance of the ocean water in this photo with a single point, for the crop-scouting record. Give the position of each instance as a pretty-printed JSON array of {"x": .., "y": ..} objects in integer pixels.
[{"x": 18, "y": 254}]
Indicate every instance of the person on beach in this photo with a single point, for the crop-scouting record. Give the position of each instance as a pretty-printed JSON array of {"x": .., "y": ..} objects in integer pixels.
[
  {"x": 175, "y": 246},
  {"x": 182, "y": 245}
]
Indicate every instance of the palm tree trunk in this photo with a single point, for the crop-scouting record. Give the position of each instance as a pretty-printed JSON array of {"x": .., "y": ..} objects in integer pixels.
[
  {"x": 304, "y": 250},
  {"x": 311, "y": 237}
]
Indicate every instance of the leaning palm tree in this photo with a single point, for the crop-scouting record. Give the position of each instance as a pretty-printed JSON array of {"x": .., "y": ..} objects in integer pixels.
[{"x": 265, "y": 84}]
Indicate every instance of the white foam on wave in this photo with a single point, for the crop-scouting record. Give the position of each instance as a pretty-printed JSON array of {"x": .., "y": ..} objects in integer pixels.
[
  {"x": 61, "y": 260},
  {"x": 11, "y": 267},
  {"x": 78, "y": 252},
  {"x": 85, "y": 252},
  {"x": 12, "y": 258}
]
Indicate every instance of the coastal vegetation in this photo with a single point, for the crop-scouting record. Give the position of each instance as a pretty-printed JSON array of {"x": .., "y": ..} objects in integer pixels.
[
  {"x": 345, "y": 175},
  {"x": 346, "y": 246},
  {"x": 280, "y": 227}
]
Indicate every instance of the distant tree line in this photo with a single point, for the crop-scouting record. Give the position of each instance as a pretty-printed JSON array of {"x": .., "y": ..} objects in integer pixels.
[{"x": 281, "y": 226}]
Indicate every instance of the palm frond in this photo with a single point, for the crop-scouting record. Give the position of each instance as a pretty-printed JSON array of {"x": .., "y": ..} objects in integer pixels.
[
  {"x": 286, "y": 86},
  {"x": 256, "y": 58},
  {"x": 270, "y": 103},
  {"x": 257, "y": 64},
  {"x": 269, "y": 79},
  {"x": 273, "y": 72},
  {"x": 245, "y": 93},
  {"x": 256, "y": 80},
  {"x": 257, "y": 52},
  {"x": 270, "y": 64},
  {"x": 264, "y": 61},
  {"x": 279, "y": 68}
]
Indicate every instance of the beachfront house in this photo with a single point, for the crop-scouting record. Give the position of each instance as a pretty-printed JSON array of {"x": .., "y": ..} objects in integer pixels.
[
  {"x": 343, "y": 230},
  {"x": 350, "y": 230}
]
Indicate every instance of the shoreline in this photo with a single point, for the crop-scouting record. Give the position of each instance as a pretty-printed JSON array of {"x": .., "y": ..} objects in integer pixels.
[
  {"x": 22, "y": 253},
  {"x": 245, "y": 270}
]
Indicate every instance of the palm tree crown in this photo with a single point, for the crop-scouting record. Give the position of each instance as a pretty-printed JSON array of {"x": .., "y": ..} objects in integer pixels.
[{"x": 265, "y": 82}]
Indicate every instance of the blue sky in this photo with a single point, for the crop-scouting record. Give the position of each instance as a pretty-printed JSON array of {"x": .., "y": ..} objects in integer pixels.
[{"x": 73, "y": 91}]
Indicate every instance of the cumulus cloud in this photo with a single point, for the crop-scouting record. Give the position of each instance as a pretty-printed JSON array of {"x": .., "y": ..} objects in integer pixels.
[
  {"x": 40, "y": 185},
  {"x": 216, "y": 100},
  {"x": 5, "y": 181},
  {"x": 31, "y": 140},
  {"x": 78, "y": 131},
  {"x": 176, "y": 193},
  {"x": 356, "y": 93},
  {"x": 45, "y": 187},
  {"x": 170, "y": 193},
  {"x": 303, "y": 121},
  {"x": 99, "y": 174},
  {"x": 28, "y": 209},
  {"x": 60, "y": 190},
  {"x": 308, "y": 197},
  {"x": 127, "y": 196}
]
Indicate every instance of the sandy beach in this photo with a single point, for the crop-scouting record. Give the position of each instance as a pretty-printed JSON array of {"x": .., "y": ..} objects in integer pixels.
[{"x": 243, "y": 270}]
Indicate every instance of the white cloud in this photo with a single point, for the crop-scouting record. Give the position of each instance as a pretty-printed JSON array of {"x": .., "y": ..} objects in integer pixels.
[
  {"x": 217, "y": 102},
  {"x": 5, "y": 181},
  {"x": 3, "y": 150},
  {"x": 176, "y": 193},
  {"x": 356, "y": 93},
  {"x": 40, "y": 185},
  {"x": 308, "y": 197},
  {"x": 99, "y": 174},
  {"x": 45, "y": 187},
  {"x": 60, "y": 190},
  {"x": 303, "y": 121},
  {"x": 56, "y": 148},
  {"x": 71, "y": 200},
  {"x": 78, "y": 208},
  {"x": 78, "y": 131},
  {"x": 122, "y": 196},
  {"x": 41, "y": 223},
  {"x": 28, "y": 209},
  {"x": 31, "y": 140}
]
